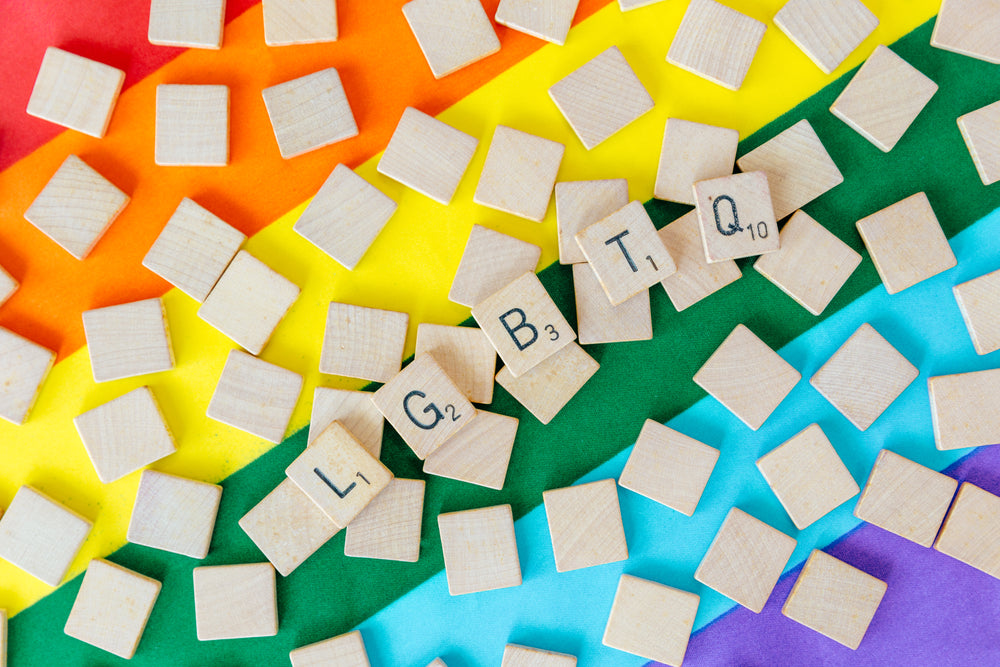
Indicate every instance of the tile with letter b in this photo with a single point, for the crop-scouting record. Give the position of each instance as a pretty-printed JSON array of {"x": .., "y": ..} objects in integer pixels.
[
  {"x": 451, "y": 33},
  {"x": 971, "y": 533},
  {"x": 651, "y": 620},
  {"x": 968, "y": 27},
  {"x": 175, "y": 514},
  {"x": 362, "y": 342},
  {"x": 525, "y": 656},
  {"x": 479, "y": 453},
  {"x": 480, "y": 550},
  {"x": 962, "y": 409},
  {"x": 195, "y": 25},
  {"x": 549, "y": 19},
  {"x": 354, "y": 410},
  {"x": 464, "y": 354},
  {"x": 598, "y": 321},
  {"x": 24, "y": 366},
  {"x": 736, "y": 216},
  {"x": 519, "y": 173},
  {"x": 490, "y": 262},
  {"x": 696, "y": 278},
  {"x": 692, "y": 152},
  {"x": 716, "y": 43},
  {"x": 128, "y": 339},
  {"x": 579, "y": 204},
  {"x": 980, "y": 129},
  {"x": 548, "y": 387},
  {"x": 299, "y": 21},
  {"x": 346, "y": 650},
  {"x": 75, "y": 92},
  {"x": 388, "y": 528},
  {"x": 585, "y": 525},
  {"x": 979, "y": 301},
  {"x": 235, "y": 601},
  {"x": 192, "y": 125},
  {"x": 826, "y": 31},
  {"x": 309, "y": 112}
]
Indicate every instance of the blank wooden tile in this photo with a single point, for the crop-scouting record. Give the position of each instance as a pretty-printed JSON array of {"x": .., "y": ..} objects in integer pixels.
[
  {"x": 112, "y": 608},
  {"x": 981, "y": 129},
  {"x": 75, "y": 92},
  {"x": 479, "y": 453},
  {"x": 451, "y": 33},
  {"x": 669, "y": 467},
  {"x": 354, "y": 410},
  {"x": 968, "y": 27},
  {"x": 23, "y": 367},
  {"x": 249, "y": 301},
  {"x": 299, "y": 21},
  {"x": 970, "y": 533},
  {"x": 7, "y": 287},
  {"x": 128, "y": 340},
  {"x": 255, "y": 396},
  {"x": 585, "y": 525},
  {"x": 692, "y": 152},
  {"x": 884, "y": 98},
  {"x": 834, "y": 599},
  {"x": 480, "y": 550},
  {"x": 389, "y": 527},
  {"x": 579, "y": 204},
  {"x": 797, "y": 165},
  {"x": 464, "y": 354},
  {"x": 525, "y": 656},
  {"x": 600, "y": 322},
  {"x": 601, "y": 97},
  {"x": 362, "y": 342},
  {"x": 76, "y": 207},
  {"x": 747, "y": 377},
  {"x": 345, "y": 216},
  {"x": 193, "y": 250},
  {"x": 490, "y": 262},
  {"x": 716, "y": 43},
  {"x": 745, "y": 560},
  {"x": 424, "y": 405},
  {"x": 309, "y": 112},
  {"x": 41, "y": 536},
  {"x": 826, "y": 31},
  {"x": 288, "y": 527},
  {"x": 549, "y": 386},
  {"x": 736, "y": 216},
  {"x": 437, "y": 662},
  {"x": 174, "y": 514},
  {"x": 182, "y": 23},
  {"x": 192, "y": 125},
  {"x": 125, "y": 434},
  {"x": 626, "y": 253},
  {"x": 811, "y": 265},
  {"x": 905, "y": 498},
  {"x": 651, "y": 620},
  {"x": 235, "y": 601},
  {"x": 864, "y": 376},
  {"x": 906, "y": 243},
  {"x": 695, "y": 278},
  {"x": 338, "y": 474},
  {"x": 962, "y": 409},
  {"x": 519, "y": 173},
  {"x": 346, "y": 650},
  {"x": 807, "y": 476},
  {"x": 548, "y": 19},
  {"x": 979, "y": 301}
]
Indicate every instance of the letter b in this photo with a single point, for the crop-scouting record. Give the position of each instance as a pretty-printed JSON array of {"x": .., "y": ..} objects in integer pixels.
[{"x": 523, "y": 324}]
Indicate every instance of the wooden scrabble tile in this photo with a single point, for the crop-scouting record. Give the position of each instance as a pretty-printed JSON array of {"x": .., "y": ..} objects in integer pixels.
[
  {"x": 299, "y": 21},
  {"x": 651, "y": 620},
  {"x": 75, "y": 92},
  {"x": 451, "y": 33},
  {"x": 585, "y": 525},
  {"x": 736, "y": 216},
  {"x": 524, "y": 656},
  {"x": 600, "y": 322},
  {"x": 235, "y": 601},
  {"x": 174, "y": 514},
  {"x": 309, "y": 112},
  {"x": 288, "y": 527},
  {"x": 345, "y": 216},
  {"x": 626, "y": 253},
  {"x": 490, "y": 262},
  {"x": 601, "y": 97},
  {"x": 480, "y": 550},
  {"x": 716, "y": 43},
  {"x": 424, "y": 405},
  {"x": 811, "y": 265},
  {"x": 980, "y": 129},
  {"x": 193, "y": 250},
  {"x": 864, "y": 376},
  {"x": 547, "y": 19},
  {"x": 970, "y": 532},
  {"x": 249, "y": 301},
  {"x": 192, "y": 125},
  {"x": 125, "y": 434},
  {"x": 884, "y": 98},
  {"x": 968, "y": 27},
  {"x": 695, "y": 278},
  {"x": 338, "y": 474},
  {"x": 464, "y": 354},
  {"x": 692, "y": 152},
  {"x": 479, "y": 453},
  {"x": 182, "y": 23},
  {"x": 23, "y": 367},
  {"x": 255, "y": 396},
  {"x": 905, "y": 498},
  {"x": 354, "y": 410},
  {"x": 979, "y": 301},
  {"x": 76, "y": 207},
  {"x": 112, "y": 607},
  {"x": 745, "y": 560},
  {"x": 962, "y": 411},
  {"x": 362, "y": 342},
  {"x": 579, "y": 204},
  {"x": 519, "y": 173},
  {"x": 807, "y": 476},
  {"x": 549, "y": 386},
  {"x": 834, "y": 599},
  {"x": 669, "y": 467},
  {"x": 906, "y": 243},
  {"x": 7, "y": 287},
  {"x": 128, "y": 340},
  {"x": 41, "y": 536},
  {"x": 797, "y": 165},
  {"x": 438, "y": 662},
  {"x": 826, "y": 31},
  {"x": 389, "y": 527},
  {"x": 346, "y": 650},
  {"x": 747, "y": 377},
  {"x": 628, "y": 5}
]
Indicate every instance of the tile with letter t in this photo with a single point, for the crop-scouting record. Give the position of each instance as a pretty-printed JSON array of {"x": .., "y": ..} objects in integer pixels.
[
  {"x": 692, "y": 152},
  {"x": 464, "y": 354},
  {"x": 651, "y": 620},
  {"x": 598, "y": 321},
  {"x": 970, "y": 533},
  {"x": 549, "y": 386},
  {"x": 479, "y": 453},
  {"x": 299, "y": 22},
  {"x": 736, "y": 216},
  {"x": 585, "y": 525},
  {"x": 696, "y": 278},
  {"x": 309, "y": 112},
  {"x": 235, "y": 601},
  {"x": 490, "y": 261},
  {"x": 24, "y": 366},
  {"x": 388, "y": 528},
  {"x": 525, "y": 656},
  {"x": 174, "y": 514},
  {"x": 716, "y": 43},
  {"x": 362, "y": 342},
  {"x": 579, "y": 204},
  {"x": 346, "y": 650},
  {"x": 480, "y": 550},
  {"x": 75, "y": 92},
  {"x": 128, "y": 339},
  {"x": 963, "y": 410}
]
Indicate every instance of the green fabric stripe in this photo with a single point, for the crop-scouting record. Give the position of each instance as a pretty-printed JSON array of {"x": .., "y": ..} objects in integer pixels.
[{"x": 330, "y": 593}]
